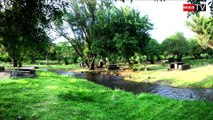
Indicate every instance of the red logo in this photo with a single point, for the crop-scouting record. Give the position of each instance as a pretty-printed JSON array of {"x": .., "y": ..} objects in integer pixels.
[{"x": 189, "y": 7}]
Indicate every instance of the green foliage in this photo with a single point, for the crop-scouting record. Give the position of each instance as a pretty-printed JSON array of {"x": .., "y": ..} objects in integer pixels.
[
  {"x": 66, "y": 52},
  {"x": 153, "y": 49},
  {"x": 81, "y": 17},
  {"x": 122, "y": 32},
  {"x": 202, "y": 26},
  {"x": 4, "y": 57},
  {"x": 23, "y": 26},
  {"x": 175, "y": 45},
  {"x": 101, "y": 29},
  {"x": 125, "y": 45},
  {"x": 194, "y": 48},
  {"x": 209, "y": 51},
  {"x": 104, "y": 44}
]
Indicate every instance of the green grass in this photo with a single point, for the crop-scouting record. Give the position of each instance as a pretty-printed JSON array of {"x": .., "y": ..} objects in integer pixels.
[
  {"x": 52, "y": 97},
  {"x": 196, "y": 77}
]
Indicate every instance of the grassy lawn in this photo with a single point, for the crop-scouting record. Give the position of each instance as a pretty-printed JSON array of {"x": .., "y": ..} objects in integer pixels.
[
  {"x": 197, "y": 76},
  {"x": 52, "y": 97}
]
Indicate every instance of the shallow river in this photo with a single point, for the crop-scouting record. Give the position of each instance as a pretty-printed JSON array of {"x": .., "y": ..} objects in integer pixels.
[{"x": 117, "y": 82}]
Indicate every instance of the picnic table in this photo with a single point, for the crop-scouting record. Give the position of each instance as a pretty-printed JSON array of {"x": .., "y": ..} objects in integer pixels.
[
  {"x": 23, "y": 71},
  {"x": 29, "y": 69}
]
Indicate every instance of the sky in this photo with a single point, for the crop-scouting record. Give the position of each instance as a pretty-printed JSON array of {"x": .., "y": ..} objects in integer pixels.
[{"x": 168, "y": 17}]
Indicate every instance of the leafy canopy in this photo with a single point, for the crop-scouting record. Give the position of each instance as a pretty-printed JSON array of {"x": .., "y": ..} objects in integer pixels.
[
  {"x": 175, "y": 45},
  {"x": 202, "y": 26}
]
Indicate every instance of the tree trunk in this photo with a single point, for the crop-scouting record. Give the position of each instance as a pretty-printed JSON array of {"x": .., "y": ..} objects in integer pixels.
[
  {"x": 152, "y": 60},
  {"x": 129, "y": 62},
  {"x": 47, "y": 60},
  {"x": 92, "y": 64},
  {"x": 66, "y": 61},
  {"x": 87, "y": 64},
  {"x": 58, "y": 61},
  {"x": 33, "y": 60},
  {"x": 104, "y": 61},
  {"x": 15, "y": 63},
  {"x": 19, "y": 63},
  {"x": 158, "y": 57},
  {"x": 171, "y": 60},
  {"x": 179, "y": 58},
  {"x": 197, "y": 56},
  {"x": 101, "y": 64}
]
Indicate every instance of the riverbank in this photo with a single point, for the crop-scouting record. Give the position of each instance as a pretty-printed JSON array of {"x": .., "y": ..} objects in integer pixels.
[
  {"x": 196, "y": 77},
  {"x": 53, "y": 96}
]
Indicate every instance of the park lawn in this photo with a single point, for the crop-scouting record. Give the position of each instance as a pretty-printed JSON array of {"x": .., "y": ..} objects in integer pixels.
[
  {"x": 196, "y": 77},
  {"x": 52, "y": 97}
]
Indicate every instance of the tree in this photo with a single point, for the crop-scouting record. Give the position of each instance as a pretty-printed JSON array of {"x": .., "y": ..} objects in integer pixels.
[
  {"x": 202, "y": 26},
  {"x": 152, "y": 49},
  {"x": 175, "y": 45},
  {"x": 194, "y": 48},
  {"x": 81, "y": 18},
  {"x": 104, "y": 32},
  {"x": 122, "y": 32},
  {"x": 99, "y": 28},
  {"x": 23, "y": 26},
  {"x": 65, "y": 52},
  {"x": 132, "y": 32}
]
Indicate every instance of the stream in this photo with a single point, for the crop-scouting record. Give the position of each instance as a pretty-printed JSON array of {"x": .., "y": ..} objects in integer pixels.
[{"x": 118, "y": 82}]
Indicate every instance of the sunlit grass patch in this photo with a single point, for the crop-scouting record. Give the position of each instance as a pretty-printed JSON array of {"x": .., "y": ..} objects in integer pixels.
[{"x": 195, "y": 77}]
